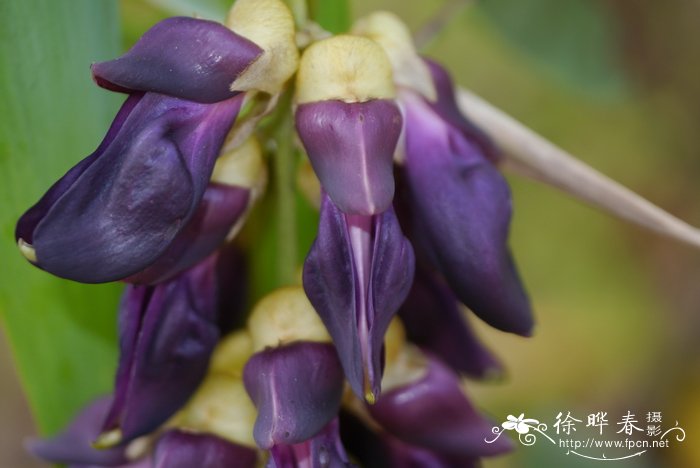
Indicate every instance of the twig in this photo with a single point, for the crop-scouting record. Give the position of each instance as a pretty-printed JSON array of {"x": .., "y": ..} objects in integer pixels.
[{"x": 531, "y": 155}]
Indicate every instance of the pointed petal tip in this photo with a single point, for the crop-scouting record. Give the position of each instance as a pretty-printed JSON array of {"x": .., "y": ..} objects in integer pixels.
[
  {"x": 108, "y": 439},
  {"x": 27, "y": 250}
]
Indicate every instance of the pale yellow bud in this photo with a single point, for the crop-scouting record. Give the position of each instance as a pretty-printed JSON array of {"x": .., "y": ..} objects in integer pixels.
[
  {"x": 285, "y": 316},
  {"x": 242, "y": 167},
  {"x": 231, "y": 354},
  {"x": 392, "y": 34},
  {"x": 270, "y": 25},
  {"x": 345, "y": 68},
  {"x": 221, "y": 407},
  {"x": 408, "y": 366}
]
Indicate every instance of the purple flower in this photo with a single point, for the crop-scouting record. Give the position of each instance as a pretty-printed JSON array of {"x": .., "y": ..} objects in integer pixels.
[
  {"x": 459, "y": 208},
  {"x": 181, "y": 449},
  {"x": 432, "y": 412},
  {"x": 357, "y": 274},
  {"x": 324, "y": 450},
  {"x": 167, "y": 334},
  {"x": 296, "y": 389},
  {"x": 130, "y": 203}
]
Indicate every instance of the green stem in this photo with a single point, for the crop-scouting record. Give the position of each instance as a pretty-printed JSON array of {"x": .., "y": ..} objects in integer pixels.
[{"x": 284, "y": 168}]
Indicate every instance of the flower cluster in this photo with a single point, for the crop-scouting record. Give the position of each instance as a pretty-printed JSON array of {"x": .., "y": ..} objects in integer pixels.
[{"x": 362, "y": 363}]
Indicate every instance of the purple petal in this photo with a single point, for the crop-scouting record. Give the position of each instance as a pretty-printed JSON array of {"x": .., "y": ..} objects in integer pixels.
[
  {"x": 221, "y": 207},
  {"x": 116, "y": 213},
  {"x": 183, "y": 57},
  {"x": 74, "y": 445},
  {"x": 432, "y": 319},
  {"x": 461, "y": 211},
  {"x": 434, "y": 413},
  {"x": 351, "y": 148},
  {"x": 167, "y": 334},
  {"x": 324, "y": 450},
  {"x": 446, "y": 107},
  {"x": 296, "y": 389},
  {"x": 178, "y": 449},
  {"x": 357, "y": 274}
]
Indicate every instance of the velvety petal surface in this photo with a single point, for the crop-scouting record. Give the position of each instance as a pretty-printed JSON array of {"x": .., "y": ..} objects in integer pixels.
[
  {"x": 119, "y": 211},
  {"x": 324, "y": 450},
  {"x": 178, "y": 449},
  {"x": 296, "y": 389},
  {"x": 73, "y": 446},
  {"x": 188, "y": 58},
  {"x": 461, "y": 208},
  {"x": 221, "y": 207},
  {"x": 351, "y": 148},
  {"x": 167, "y": 334},
  {"x": 432, "y": 319},
  {"x": 434, "y": 413},
  {"x": 356, "y": 275}
]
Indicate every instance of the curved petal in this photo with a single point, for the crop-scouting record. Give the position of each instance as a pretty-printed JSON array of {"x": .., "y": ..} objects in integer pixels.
[
  {"x": 178, "y": 449},
  {"x": 351, "y": 148},
  {"x": 324, "y": 450},
  {"x": 461, "y": 210},
  {"x": 446, "y": 107},
  {"x": 118, "y": 213},
  {"x": 296, "y": 389},
  {"x": 220, "y": 208},
  {"x": 167, "y": 334},
  {"x": 74, "y": 445},
  {"x": 434, "y": 413},
  {"x": 358, "y": 272},
  {"x": 432, "y": 319},
  {"x": 188, "y": 58}
]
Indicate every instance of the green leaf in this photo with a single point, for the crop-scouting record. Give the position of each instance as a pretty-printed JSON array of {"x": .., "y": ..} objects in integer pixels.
[
  {"x": 573, "y": 39},
  {"x": 332, "y": 15},
  {"x": 62, "y": 333}
]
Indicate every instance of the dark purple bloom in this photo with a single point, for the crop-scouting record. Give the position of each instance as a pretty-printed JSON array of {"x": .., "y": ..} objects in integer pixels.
[
  {"x": 351, "y": 148},
  {"x": 188, "y": 58},
  {"x": 324, "y": 450},
  {"x": 119, "y": 210},
  {"x": 296, "y": 389},
  {"x": 74, "y": 447},
  {"x": 179, "y": 449},
  {"x": 167, "y": 334},
  {"x": 432, "y": 319},
  {"x": 460, "y": 209},
  {"x": 357, "y": 274},
  {"x": 433, "y": 412}
]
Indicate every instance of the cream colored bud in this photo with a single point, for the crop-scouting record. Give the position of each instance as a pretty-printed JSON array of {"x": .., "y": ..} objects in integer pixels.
[
  {"x": 242, "y": 167},
  {"x": 231, "y": 354},
  {"x": 27, "y": 250},
  {"x": 222, "y": 407},
  {"x": 345, "y": 68},
  {"x": 270, "y": 25},
  {"x": 408, "y": 366},
  {"x": 285, "y": 316},
  {"x": 392, "y": 34}
]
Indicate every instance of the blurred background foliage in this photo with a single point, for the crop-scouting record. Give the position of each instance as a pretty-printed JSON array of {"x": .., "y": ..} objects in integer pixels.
[{"x": 615, "y": 82}]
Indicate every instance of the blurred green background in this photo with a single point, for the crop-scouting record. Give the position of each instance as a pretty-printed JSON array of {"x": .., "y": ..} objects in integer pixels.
[{"x": 616, "y": 83}]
